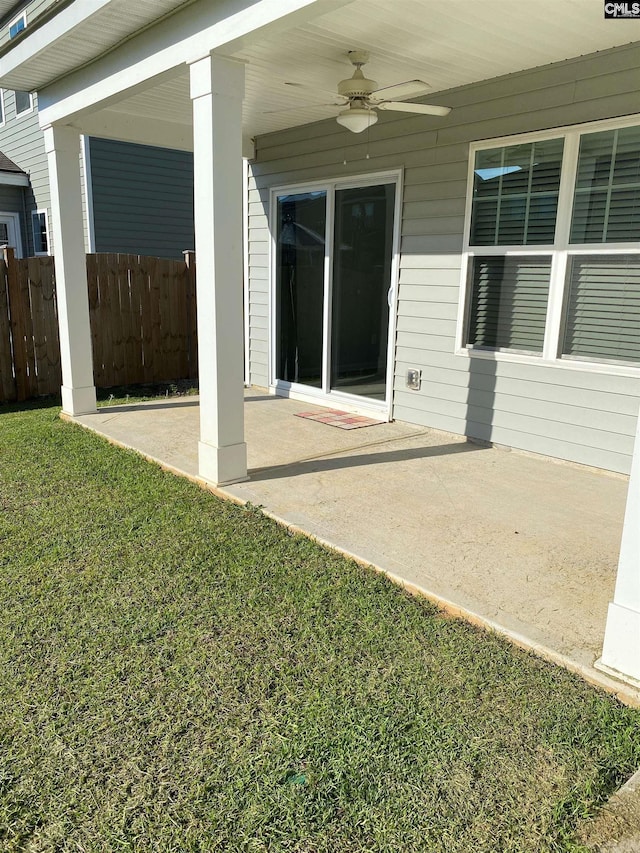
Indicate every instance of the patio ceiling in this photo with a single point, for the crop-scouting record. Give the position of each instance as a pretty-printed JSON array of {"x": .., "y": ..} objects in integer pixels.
[{"x": 291, "y": 74}]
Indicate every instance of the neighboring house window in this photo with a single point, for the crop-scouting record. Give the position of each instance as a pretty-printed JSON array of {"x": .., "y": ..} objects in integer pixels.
[
  {"x": 17, "y": 25},
  {"x": 1, "y": 107},
  {"x": 553, "y": 259},
  {"x": 39, "y": 224},
  {"x": 24, "y": 102}
]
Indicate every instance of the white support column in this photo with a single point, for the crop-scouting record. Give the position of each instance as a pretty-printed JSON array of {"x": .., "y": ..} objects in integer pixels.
[
  {"x": 621, "y": 650},
  {"x": 217, "y": 89},
  {"x": 62, "y": 145}
]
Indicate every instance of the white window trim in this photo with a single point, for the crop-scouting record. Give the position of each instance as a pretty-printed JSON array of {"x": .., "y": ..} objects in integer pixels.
[
  {"x": 2, "y": 109},
  {"x": 15, "y": 20},
  {"x": 39, "y": 212},
  {"x": 559, "y": 253},
  {"x": 349, "y": 402},
  {"x": 24, "y": 112}
]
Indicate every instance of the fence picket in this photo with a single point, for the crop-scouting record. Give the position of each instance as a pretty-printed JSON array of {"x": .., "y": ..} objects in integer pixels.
[
  {"x": 135, "y": 351},
  {"x": 8, "y": 389},
  {"x": 52, "y": 364},
  {"x": 36, "y": 272},
  {"x": 192, "y": 322},
  {"x": 97, "y": 339},
  {"x": 155, "y": 314}
]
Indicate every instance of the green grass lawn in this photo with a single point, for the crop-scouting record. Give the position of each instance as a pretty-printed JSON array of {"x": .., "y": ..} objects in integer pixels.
[{"x": 181, "y": 674}]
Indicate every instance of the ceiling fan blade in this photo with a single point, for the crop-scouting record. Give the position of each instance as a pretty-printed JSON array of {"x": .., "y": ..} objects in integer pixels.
[
  {"x": 423, "y": 109},
  {"x": 401, "y": 91}
]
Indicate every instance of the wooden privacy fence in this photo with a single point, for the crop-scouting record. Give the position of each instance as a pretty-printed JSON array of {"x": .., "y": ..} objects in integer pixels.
[{"x": 142, "y": 313}]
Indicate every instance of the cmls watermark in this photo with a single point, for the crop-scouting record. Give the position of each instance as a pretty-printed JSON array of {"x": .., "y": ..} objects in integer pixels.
[{"x": 621, "y": 10}]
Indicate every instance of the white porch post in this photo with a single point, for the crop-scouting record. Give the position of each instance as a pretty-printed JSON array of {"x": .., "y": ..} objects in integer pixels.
[
  {"x": 63, "y": 151},
  {"x": 217, "y": 89},
  {"x": 621, "y": 650}
]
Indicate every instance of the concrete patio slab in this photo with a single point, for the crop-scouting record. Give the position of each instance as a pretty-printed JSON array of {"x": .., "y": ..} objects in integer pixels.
[{"x": 515, "y": 542}]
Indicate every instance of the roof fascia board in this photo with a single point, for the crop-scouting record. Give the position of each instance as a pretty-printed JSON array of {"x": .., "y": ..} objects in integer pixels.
[{"x": 183, "y": 38}]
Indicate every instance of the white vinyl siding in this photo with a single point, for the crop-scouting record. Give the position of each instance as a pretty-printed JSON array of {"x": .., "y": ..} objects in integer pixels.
[{"x": 558, "y": 407}]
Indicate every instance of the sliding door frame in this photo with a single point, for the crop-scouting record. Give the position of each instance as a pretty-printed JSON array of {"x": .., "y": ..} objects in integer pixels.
[{"x": 326, "y": 396}]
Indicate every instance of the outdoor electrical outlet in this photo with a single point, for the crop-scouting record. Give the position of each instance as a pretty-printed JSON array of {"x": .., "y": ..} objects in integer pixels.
[{"x": 414, "y": 377}]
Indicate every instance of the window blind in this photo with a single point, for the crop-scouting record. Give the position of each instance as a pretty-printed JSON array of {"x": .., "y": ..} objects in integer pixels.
[
  {"x": 509, "y": 302},
  {"x": 603, "y": 307}
]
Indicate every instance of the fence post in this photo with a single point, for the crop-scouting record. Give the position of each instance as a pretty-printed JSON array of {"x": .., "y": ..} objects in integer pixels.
[{"x": 16, "y": 312}]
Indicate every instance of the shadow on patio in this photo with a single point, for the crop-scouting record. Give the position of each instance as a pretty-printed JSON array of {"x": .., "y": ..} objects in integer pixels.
[{"x": 517, "y": 542}]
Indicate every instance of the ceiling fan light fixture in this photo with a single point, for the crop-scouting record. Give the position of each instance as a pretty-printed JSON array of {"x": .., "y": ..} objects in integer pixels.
[{"x": 357, "y": 119}]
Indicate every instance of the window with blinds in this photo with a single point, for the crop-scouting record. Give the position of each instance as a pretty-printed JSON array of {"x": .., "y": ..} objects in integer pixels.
[
  {"x": 515, "y": 194},
  {"x": 603, "y": 308},
  {"x": 554, "y": 244},
  {"x": 606, "y": 206},
  {"x": 509, "y": 302}
]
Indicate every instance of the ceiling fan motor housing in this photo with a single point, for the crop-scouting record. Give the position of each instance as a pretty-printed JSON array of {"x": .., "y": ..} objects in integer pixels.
[{"x": 357, "y": 86}]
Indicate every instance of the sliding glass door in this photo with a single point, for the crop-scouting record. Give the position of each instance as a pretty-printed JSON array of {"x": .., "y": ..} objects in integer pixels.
[
  {"x": 333, "y": 276},
  {"x": 300, "y": 264}
]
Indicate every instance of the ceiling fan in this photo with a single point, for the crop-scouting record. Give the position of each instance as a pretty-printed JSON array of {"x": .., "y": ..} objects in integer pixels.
[{"x": 363, "y": 97}]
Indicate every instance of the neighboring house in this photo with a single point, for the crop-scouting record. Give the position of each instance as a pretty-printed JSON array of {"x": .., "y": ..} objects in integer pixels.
[
  {"x": 477, "y": 272},
  {"x": 136, "y": 198}
]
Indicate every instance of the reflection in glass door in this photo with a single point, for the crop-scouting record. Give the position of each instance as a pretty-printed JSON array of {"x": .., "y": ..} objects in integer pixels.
[
  {"x": 300, "y": 252},
  {"x": 363, "y": 250},
  {"x": 332, "y": 312}
]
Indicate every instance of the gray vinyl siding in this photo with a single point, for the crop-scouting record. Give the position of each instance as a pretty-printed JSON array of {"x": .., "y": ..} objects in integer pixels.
[
  {"x": 142, "y": 198},
  {"x": 258, "y": 236},
  {"x": 570, "y": 413},
  {"x": 22, "y": 141}
]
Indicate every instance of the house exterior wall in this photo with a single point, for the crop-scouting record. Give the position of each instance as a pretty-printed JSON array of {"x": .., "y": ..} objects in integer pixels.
[
  {"x": 142, "y": 198},
  {"x": 22, "y": 141},
  {"x": 583, "y": 415}
]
